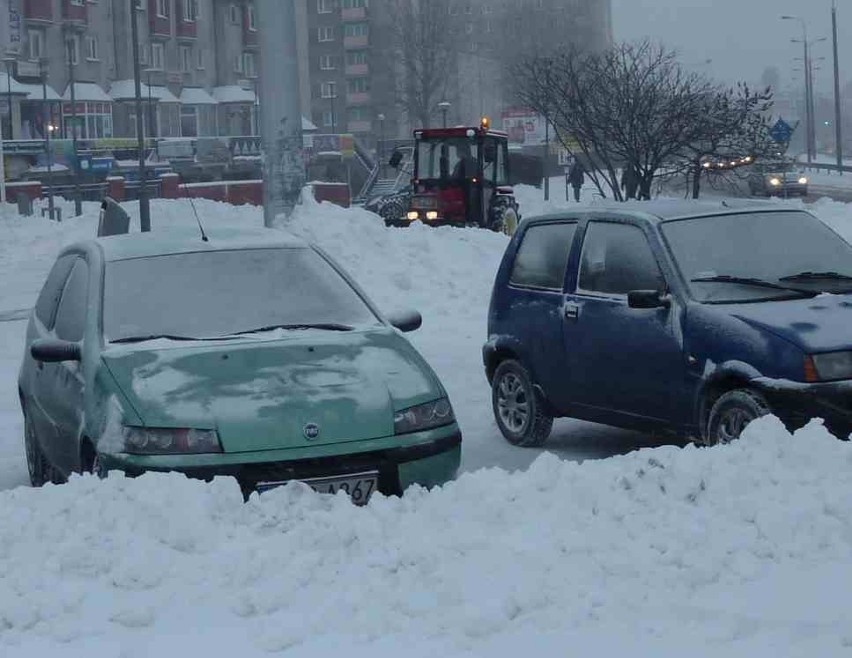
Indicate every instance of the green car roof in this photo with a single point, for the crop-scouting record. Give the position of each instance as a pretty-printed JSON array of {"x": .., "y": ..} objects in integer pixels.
[{"x": 170, "y": 242}]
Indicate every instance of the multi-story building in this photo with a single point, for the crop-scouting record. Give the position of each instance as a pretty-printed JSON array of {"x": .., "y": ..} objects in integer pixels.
[{"x": 199, "y": 60}]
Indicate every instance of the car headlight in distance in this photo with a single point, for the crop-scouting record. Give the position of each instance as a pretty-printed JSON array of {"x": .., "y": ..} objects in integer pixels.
[
  {"x": 775, "y": 182},
  {"x": 423, "y": 417},
  {"x": 803, "y": 180},
  {"x": 829, "y": 367},
  {"x": 161, "y": 441}
]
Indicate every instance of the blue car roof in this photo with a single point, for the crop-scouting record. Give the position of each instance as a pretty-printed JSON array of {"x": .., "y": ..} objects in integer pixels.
[{"x": 663, "y": 210}]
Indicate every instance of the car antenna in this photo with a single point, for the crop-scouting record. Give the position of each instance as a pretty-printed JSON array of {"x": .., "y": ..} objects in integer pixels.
[{"x": 194, "y": 210}]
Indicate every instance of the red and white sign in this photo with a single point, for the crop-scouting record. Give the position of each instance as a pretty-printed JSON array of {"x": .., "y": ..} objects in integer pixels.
[{"x": 524, "y": 127}]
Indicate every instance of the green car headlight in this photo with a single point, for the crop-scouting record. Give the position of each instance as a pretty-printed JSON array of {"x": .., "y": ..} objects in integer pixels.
[
  {"x": 833, "y": 365},
  {"x": 423, "y": 417},
  {"x": 157, "y": 441}
]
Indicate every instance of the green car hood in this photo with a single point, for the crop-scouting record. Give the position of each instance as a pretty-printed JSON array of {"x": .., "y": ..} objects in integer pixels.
[{"x": 261, "y": 394}]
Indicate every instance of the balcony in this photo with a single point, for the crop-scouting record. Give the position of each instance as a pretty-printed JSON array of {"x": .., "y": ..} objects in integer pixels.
[
  {"x": 358, "y": 98},
  {"x": 38, "y": 10},
  {"x": 361, "y": 41},
  {"x": 357, "y": 69},
  {"x": 159, "y": 26},
  {"x": 354, "y": 14},
  {"x": 74, "y": 13},
  {"x": 187, "y": 30}
]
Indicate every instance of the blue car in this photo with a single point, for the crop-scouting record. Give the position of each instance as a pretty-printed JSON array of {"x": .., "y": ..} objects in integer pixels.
[{"x": 687, "y": 318}]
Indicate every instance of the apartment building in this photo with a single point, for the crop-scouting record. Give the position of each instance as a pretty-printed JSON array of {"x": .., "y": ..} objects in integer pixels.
[{"x": 199, "y": 60}]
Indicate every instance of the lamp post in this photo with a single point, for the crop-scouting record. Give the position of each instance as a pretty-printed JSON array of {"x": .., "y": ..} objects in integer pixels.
[
  {"x": 47, "y": 128},
  {"x": 9, "y": 62},
  {"x": 838, "y": 115},
  {"x": 381, "y": 145},
  {"x": 809, "y": 101},
  {"x": 78, "y": 202},
  {"x": 144, "y": 206},
  {"x": 444, "y": 106},
  {"x": 333, "y": 113}
]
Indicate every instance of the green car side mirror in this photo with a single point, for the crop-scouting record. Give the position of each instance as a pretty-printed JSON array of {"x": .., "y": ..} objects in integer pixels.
[
  {"x": 55, "y": 351},
  {"x": 406, "y": 321}
]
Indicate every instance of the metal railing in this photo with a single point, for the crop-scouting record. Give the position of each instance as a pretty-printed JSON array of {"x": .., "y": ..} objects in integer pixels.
[{"x": 827, "y": 167}]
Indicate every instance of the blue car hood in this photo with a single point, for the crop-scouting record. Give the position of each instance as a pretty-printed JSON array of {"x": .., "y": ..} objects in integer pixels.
[{"x": 821, "y": 324}]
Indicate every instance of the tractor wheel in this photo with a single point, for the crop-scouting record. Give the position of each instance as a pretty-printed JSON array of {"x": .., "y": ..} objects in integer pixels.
[{"x": 504, "y": 219}]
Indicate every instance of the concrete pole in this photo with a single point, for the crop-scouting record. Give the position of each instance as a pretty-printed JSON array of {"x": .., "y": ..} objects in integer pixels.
[
  {"x": 281, "y": 113},
  {"x": 144, "y": 204},
  {"x": 838, "y": 114}
]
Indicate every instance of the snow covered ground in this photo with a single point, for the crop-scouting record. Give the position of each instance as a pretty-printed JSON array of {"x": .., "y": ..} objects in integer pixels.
[{"x": 743, "y": 550}]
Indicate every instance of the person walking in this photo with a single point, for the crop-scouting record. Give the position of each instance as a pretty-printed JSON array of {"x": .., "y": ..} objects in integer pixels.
[{"x": 577, "y": 178}]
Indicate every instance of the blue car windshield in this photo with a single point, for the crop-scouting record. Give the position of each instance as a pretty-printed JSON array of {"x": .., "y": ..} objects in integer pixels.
[
  {"x": 222, "y": 293},
  {"x": 789, "y": 249}
]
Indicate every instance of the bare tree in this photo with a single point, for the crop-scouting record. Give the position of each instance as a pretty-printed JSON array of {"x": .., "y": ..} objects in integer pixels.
[
  {"x": 632, "y": 106},
  {"x": 422, "y": 47}
]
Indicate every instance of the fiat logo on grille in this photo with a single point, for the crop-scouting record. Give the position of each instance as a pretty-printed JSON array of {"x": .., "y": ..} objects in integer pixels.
[{"x": 312, "y": 431}]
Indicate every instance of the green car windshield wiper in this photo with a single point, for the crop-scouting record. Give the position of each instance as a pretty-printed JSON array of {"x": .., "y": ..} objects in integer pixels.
[
  {"x": 324, "y": 326},
  {"x": 751, "y": 281},
  {"x": 146, "y": 338},
  {"x": 817, "y": 276}
]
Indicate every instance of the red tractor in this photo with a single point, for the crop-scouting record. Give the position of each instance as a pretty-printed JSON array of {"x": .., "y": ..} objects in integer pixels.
[{"x": 461, "y": 178}]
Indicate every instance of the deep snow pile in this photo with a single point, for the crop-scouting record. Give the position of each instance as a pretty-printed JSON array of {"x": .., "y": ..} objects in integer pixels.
[{"x": 744, "y": 550}]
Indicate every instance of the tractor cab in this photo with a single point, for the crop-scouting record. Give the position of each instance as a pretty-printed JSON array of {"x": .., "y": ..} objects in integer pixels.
[{"x": 461, "y": 177}]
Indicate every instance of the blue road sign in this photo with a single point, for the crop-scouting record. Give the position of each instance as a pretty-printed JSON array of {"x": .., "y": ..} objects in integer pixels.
[{"x": 782, "y": 131}]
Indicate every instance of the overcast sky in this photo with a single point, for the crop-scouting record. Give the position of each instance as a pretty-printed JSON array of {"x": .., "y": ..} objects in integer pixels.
[{"x": 742, "y": 37}]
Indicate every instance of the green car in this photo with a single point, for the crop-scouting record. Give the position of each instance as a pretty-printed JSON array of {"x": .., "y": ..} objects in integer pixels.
[{"x": 251, "y": 355}]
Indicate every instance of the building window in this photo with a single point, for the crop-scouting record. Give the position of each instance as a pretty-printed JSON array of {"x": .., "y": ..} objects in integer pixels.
[
  {"x": 358, "y": 85},
  {"x": 328, "y": 118},
  {"x": 190, "y": 11},
  {"x": 163, "y": 8},
  {"x": 325, "y": 6},
  {"x": 355, "y": 57},
  {"x": 239, "y": 64},
  {"x": 326, "y": 63},
  {"x": 234, "y": 14},
  {"x": 199, "y": 59},
  {"x": 359, "y": 114},
  {"x": 188, "y": 121},
  {"x": 72, "y": 49},
  {"x": 354, "y": 4},
  {"x": 92, "y": 49},
  {"x": 252, "y": 19},
  {"x": 328, "y": 90},
  {"x": 144, "y": 54},
  {"x": 157, "y": 56},
  {"x": 35, "y": 41},
  {"x": 77, "y": 3},
  {"x": 356, "y": 30},
  {"x": 325, "y": 33},
  {"x": 249, "y": 65},
  {"x": 185, "y": 59}
]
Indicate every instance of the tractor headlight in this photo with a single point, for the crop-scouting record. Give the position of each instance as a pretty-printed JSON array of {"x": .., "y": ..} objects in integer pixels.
[
  {"x": 833, "y": 366},
  {"x": 423, "y": 417},
  {"x": 803, "y": 180},
  {"x": 161, "y": 441},
  {"x": 412, "y": 215},
  {"x": 775, "y": 182},
  {"x": 432, "y": 215}
]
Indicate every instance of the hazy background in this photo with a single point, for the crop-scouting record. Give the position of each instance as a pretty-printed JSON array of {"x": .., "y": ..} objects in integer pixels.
[{"x": 742, "y": 37}]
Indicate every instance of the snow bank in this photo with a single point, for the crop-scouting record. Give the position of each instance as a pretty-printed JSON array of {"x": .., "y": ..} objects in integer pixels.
[{"x": 740, "y": 550}]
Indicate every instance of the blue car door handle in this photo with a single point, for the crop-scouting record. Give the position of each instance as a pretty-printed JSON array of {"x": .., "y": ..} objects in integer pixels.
[{"x": 571, "y": 311}]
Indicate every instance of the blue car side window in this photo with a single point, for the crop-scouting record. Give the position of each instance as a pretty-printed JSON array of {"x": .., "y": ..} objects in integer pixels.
[
  {"x": 542, "y": 258},
  {"x": 618, "y": 259}
]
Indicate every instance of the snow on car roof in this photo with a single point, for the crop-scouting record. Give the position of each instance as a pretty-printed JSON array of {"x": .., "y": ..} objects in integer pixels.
[
  {"x": 666, "y": 209},
  {"x": 170, "y": 242}
]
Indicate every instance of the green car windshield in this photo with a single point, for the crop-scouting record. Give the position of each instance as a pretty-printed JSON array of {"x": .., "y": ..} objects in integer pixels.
[{"x": 222, "y": 293}]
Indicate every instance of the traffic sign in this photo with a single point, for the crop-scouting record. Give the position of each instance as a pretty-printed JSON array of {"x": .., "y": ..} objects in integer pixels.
[{"x": 782, "y": 131}]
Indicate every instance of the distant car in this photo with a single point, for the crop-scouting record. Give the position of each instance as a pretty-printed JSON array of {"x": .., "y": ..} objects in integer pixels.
[
  {"x": 688, "y": 319},
  {"x": 252, "y": 356},
  {"x": 781, "y": 179}
]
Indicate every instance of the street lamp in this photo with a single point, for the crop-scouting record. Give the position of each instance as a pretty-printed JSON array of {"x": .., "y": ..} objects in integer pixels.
[
  {"x": 78, "y": 201},
  {"x": 444, "y": 106},
  {"x": 46, "y": 117},
  {"x": 838, "y": 117},
  {"x": 809, "y": 104},
  {"x": 381, "y": 146}
]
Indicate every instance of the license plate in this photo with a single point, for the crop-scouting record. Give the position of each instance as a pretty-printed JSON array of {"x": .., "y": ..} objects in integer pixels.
[{"x": 359, "y": 486}]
